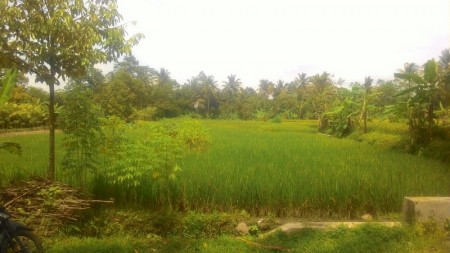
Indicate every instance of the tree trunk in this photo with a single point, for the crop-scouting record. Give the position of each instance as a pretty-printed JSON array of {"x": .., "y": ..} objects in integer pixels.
[
  {"x": 207, "y": 109},
  {"x": 363, "y": 116},
  {"x": 430, "y": 119},
  {"x": 301, "y": 107},
  {"x": 51, "y": 172},
  {"x": 365, "y": 120}
]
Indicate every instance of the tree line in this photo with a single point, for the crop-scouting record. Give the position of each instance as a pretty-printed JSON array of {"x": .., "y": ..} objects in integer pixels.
[{"x": 135, "y": 92}]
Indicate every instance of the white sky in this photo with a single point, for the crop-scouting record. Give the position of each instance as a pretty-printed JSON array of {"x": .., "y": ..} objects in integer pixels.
[{"x": 276, "y": 39}]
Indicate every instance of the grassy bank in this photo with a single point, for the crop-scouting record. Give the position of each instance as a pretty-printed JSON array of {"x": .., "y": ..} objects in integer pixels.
[{"x": 368, "y": 238}]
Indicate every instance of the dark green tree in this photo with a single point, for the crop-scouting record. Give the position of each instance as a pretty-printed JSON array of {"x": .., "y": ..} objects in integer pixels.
[{"x": 231, "y": 93}]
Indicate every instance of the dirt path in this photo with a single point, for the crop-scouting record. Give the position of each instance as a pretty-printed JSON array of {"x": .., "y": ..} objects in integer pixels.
[{"x": 19, "y": 133}]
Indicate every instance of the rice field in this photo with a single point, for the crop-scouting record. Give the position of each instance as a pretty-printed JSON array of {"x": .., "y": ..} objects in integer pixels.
[
  {"x": 280, "y": 169},
  {"x": 34, "y": 159},
  {"x": 289, "y": 169}
]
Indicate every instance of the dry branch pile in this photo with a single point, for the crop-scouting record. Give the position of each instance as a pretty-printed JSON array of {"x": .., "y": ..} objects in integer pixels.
[{"x": 45, "y": 205}]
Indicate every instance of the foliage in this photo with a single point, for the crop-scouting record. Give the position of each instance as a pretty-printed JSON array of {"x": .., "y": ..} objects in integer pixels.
[
  {"x": 79, "y": 119},
  {"x": 114, "y": 149},
  {"x": 8, "y": 82},
  {"x": 206, "y": 225},
  {"x": 248, "y": 161},
  {"x": 289, "y": 115},
  {"x": 138, "y": 223},
  {"x": 98, "y": 245},
  {"x": 367, "y": 238},
  {"x": 421, "y": 102},
  {"x": 193, "y": 134},
  {"x": 261, "y": 115},
  {"x": 341, "y": 119},
  {"x": 11, "y": 147},
  {"x": 206, "y": 86},
  {"x": 276, "y": 119},
  {"x": 59, "y": 39},
  {"x": 23, "y": 115},
  {"x": 31, "y": 163},
  {"x": 116, "y": 97},
  {"x": 153, "y": 157},
  {"x": 325, "y": 177},
  {"x": 148, "y": 113}
]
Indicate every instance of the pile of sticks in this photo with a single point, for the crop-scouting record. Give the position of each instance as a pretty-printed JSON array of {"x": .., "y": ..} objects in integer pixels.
[{"x": 44, "y": 204}]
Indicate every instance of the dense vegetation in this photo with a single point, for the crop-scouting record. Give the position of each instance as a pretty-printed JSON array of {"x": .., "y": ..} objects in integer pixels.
[
  {"x": 138, "y": 136},
  {"x": 417, "y": 96},
  {"x": 281, "y": 169}
]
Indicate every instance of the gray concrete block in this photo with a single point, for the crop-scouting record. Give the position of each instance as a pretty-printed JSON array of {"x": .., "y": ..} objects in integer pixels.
[{"x": 422, "y": 209}]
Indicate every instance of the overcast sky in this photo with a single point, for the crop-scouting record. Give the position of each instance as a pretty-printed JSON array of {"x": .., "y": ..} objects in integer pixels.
[{"x": 276, "y": 39}]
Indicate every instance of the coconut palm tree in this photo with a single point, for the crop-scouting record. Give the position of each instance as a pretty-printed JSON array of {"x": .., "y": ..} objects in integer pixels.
[
  {"x": 302, "y": 82},
  {"x": 322, "y": 96},
  {"x": 232, "y": 88},
  {"x": 208, "y": 89},
  {"x": 279, "y": 88},
  {"x": 367, "y": 88},
  {"x": 265, "y": 88},
  {"x": 444, "y": 59}
]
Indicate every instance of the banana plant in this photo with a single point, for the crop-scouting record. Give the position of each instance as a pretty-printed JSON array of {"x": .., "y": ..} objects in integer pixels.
[
  {"x": 8, "y": 82},
  {"x": 422, "y": 97}
]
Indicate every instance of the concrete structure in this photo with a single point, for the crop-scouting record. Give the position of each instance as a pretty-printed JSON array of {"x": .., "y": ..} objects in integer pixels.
[
  {"x": 422, "y": 209},
  {"x": 296, "y": 227}
]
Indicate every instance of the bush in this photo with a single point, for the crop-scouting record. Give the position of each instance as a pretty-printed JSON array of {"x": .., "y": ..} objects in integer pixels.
[
  {"x": 276, "y": 119},
  {"x": 147, "y": 166},
  {"x": 200, "y": 225},
  {"x": 148, "y": 113}
]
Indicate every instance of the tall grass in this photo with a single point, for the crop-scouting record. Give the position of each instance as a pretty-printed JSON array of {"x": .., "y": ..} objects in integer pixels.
[
  {"x": 268, "y": 168},
  {"x": 289, "y": 169},
  {"x": 34, "y": 158}
]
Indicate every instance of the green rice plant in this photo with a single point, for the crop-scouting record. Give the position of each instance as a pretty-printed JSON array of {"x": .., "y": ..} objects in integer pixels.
[
  {"x": 288, "y": 169},
  {"x": 266, "y": 168},
  {"x": 34, "y": 158}
]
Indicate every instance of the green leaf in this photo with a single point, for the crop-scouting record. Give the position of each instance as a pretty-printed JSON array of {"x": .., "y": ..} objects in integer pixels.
[
  {"x": 413, "y": 77},
  {"x": 8, "y": 83},
  {"x": 431, "y": 71},
  {"x": 407, "y": 91}
]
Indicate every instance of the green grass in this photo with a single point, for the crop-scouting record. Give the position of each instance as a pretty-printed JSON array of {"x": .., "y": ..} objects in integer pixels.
[
  {"x": 34, "y": 159},
  {"x": 283, "y": 169},
  {"x": 368, "y": 238},
  {"x": 288, "y": 169},
  {"x": 96, "y": 245}
]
